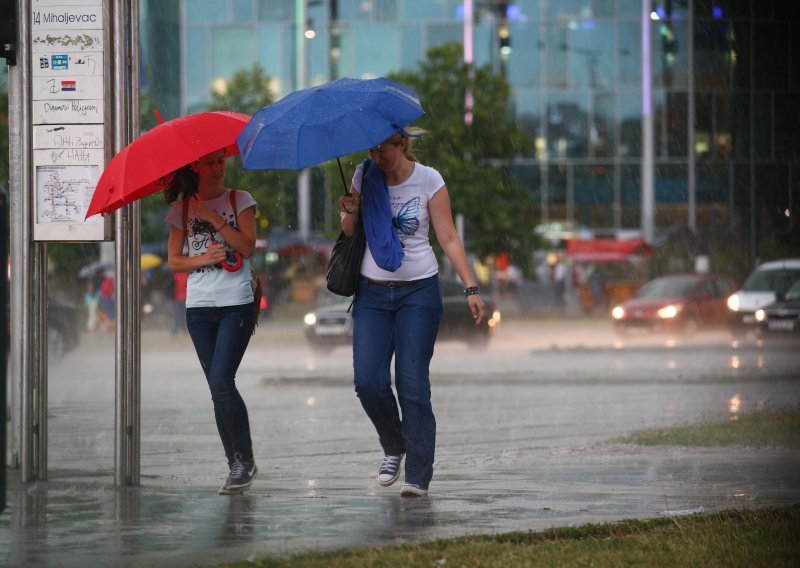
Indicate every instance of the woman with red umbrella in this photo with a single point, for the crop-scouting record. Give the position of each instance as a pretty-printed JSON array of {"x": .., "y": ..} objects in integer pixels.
[{"x": 217, "y": 225}]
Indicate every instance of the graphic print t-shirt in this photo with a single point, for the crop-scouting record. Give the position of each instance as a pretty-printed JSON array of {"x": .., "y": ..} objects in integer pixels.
[
  {"x": 213, "y": 286},
  {"x": 411, "y": 221}
]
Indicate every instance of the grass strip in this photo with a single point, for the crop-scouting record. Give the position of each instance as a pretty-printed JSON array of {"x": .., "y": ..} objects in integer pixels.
[
  {"x": 765, "y": 428},
  {"x": 764, "y": 537}
]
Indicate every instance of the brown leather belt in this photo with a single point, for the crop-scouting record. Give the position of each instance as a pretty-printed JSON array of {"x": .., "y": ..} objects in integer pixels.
[{"x": 390, "y": 283}]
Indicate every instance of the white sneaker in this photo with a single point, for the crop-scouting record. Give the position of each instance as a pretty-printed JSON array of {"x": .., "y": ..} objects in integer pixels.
[
  {"x": 413, "y": 490},
  {"x": 390, "y": 470}
]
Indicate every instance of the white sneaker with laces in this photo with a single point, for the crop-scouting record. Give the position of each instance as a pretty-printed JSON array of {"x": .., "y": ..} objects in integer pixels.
[
  {"x": 390, "y": 470},
  {"x": 413, "y": 490}
]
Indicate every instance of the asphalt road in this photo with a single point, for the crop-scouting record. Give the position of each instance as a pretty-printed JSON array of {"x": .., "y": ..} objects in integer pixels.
[{"x": 524, "y": 430}]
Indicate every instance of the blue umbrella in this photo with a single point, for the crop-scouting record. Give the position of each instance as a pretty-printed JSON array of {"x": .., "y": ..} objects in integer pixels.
[{"x": 321, "y": 123}]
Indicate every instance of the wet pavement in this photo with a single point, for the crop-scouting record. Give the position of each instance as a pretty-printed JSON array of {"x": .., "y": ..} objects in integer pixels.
[{"x": 523, "y": 444}]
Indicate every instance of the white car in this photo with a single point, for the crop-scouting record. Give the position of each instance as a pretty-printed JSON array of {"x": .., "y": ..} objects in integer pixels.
[{"x": 758, "y": 291}]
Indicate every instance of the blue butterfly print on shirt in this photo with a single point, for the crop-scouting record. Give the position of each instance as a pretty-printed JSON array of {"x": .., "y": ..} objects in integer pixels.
[{"x": 407, "y": 219}]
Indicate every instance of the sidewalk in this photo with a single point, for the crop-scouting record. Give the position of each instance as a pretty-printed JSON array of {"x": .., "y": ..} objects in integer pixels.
[{"x": 524, "y": 447}]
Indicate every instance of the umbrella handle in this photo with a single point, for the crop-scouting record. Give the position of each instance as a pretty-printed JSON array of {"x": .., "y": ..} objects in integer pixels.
[
  {"x": 235, "y": 266},
  {"x": 341, "y": 173}
]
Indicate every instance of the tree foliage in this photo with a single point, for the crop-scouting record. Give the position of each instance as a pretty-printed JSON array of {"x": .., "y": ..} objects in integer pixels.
[
  {"x": 475, "y": 158},
  {"x": 274, "y": 190}
]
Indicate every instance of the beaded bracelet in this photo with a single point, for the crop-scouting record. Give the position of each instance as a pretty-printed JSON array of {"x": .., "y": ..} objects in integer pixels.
[{"x": 471, "y": 291}]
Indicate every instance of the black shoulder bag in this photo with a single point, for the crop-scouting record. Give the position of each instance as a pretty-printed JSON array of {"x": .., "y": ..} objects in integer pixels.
[{"x": 344, "y": 266}]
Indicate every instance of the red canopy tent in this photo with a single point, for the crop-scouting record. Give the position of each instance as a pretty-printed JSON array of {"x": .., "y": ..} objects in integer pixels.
[{"x": 607, "y": 250}]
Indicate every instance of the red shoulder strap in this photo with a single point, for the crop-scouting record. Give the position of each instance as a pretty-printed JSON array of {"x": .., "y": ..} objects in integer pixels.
[
  {"x": 232, "y": 196},
  {"x": 185, "y": 216}
]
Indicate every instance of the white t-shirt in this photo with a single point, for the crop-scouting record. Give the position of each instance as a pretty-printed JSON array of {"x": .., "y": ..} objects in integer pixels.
[
  {"x": 213, "y": 286},
  {"x": 410, "y": 216}
]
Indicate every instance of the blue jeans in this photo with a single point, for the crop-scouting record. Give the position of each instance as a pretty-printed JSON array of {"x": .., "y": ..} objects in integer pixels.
[
  {"x": 400, "y": 322},
  {"x": 220, "y": 337}
]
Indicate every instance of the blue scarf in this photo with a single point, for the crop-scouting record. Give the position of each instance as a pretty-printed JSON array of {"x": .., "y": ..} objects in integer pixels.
[{"x": 376, "y": 213}]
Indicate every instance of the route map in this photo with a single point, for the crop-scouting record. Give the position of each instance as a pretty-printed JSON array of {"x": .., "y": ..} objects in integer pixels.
[{"x": 63, "y": 193}]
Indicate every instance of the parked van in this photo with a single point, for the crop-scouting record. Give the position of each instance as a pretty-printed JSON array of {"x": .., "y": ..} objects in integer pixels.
[{"x": 759, "y": 290}]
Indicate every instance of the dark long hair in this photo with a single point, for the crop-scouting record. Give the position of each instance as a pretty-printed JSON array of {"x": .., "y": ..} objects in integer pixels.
[{"x": 180, "y": 184}]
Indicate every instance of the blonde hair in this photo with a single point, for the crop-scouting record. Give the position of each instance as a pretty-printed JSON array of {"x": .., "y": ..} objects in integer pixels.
[{"x": 397, "y": 140}]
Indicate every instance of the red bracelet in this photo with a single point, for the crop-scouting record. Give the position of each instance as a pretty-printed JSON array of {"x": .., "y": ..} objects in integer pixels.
[{"x": 224, "y": 224}]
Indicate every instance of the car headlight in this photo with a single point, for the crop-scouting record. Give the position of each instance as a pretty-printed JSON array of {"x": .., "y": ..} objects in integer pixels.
[
  {"x": 760, "y": 315},
  {"x": 618, "y": 312},
  {"x": 733, "y": 302},
  {"x": 310, "y": 319},
  {"x": 669, "y": 312}
]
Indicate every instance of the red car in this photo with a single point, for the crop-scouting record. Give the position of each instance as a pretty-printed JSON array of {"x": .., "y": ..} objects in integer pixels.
[{"x": 680, "y": 303}]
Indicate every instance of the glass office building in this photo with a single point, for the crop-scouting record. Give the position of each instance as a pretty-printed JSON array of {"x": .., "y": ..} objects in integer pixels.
[{"x": 724, "y": 85}]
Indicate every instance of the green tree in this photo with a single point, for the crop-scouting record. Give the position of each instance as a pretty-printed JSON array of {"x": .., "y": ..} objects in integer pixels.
[
  {"x": 475, "y": 158},
  {"x": 274, "y": 190}
]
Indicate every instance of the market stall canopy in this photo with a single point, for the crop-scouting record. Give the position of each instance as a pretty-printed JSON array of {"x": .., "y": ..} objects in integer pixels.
[{"x": 607, "y": 250}]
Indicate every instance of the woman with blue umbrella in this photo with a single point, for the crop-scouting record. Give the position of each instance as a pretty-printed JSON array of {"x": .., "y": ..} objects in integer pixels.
[{"x": 398, "y": 303}]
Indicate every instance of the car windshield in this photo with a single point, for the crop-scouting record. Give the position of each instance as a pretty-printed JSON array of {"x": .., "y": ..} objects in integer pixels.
[
  {"x": 793, "y": 293},
  {"x": 771, "y": 280},
  {"x": 668, "y": 288}
]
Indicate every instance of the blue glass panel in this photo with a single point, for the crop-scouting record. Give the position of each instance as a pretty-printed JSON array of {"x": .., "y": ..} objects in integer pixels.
[
  {"x": 629, "y": 9},
  {"x": 629, "y": 53},
  {"x": 601, "y": 136},
  {"x": 198, "y": 73},
  {"x": 243, "y": 10},
  {"x": 671, "y": 185},
  {"x": 569, "y": 9},
  {"x": 428, "y": 10},
  {"x": 273, "y": 57},
  {"x": 232, "y": 49},
  {"x": 630, "y": 123},
  {"x": 376, "y": 49},
  {"x": 594, "y": 195},
  {"x": 568, "y": 125},
  {"x": 524, "y": 63},
  {"x": 276, "y": 10},
  {"x": 374, "y": 10},
  {"x": 591, "y": 55},
  {"x": 439, "y": 34},
  {"x": 530, "y": 10},
  {"x": 670, "y": 54},
  {"x": 206, "y": 12},
  {"x": 412, "y": 50}
]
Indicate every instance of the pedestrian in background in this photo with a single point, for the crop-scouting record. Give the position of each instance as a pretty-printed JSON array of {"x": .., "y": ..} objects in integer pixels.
[
  {"x": 398, "y": 302},
  {"x": 107, "y": 302},
  {"x": 91, "y": 300},
  {"x": 220, "y": 309}
]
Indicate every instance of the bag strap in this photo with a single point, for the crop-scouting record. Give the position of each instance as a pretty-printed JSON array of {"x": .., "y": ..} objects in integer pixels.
[
  {"x": 232, "y": 197},
  {"x": 185, "y": 217}
]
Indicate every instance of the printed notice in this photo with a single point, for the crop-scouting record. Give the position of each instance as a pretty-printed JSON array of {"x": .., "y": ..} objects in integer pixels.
[
  {"x": 63, "y": 193},
  {"x": 67, "y": 17}
]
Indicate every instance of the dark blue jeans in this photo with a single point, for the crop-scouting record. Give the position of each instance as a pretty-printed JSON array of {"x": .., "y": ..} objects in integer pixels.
[
  {"x": 400, "y": 323},
  {"x": 220, "y": 337}
]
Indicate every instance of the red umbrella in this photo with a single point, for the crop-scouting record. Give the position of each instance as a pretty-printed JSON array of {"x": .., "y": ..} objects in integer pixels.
[{"x": 139, "y": 169}]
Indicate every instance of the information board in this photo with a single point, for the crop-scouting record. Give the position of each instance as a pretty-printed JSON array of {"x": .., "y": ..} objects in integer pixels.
[{"x": 69, "y": 116}]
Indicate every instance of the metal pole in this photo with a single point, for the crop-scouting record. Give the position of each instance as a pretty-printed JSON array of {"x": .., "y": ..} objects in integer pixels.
[
  {"x": 128, "y": 326},
  {"x": 21, "y": 376},
  {"x": 39, "y": 364},
  {"x": 303, "y": 181},
  {"x": 648, "y": 190},
  {"x": 692, "y": 189}
]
